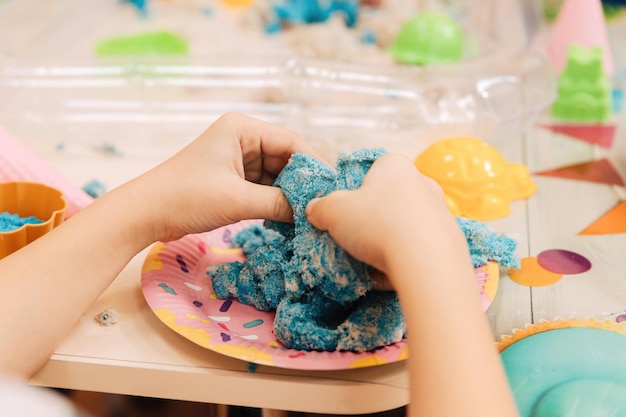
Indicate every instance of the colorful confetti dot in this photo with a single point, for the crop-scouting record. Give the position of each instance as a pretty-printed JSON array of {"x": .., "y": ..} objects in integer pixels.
[
  {"x": 197, "y": 303},
  {"x": 194, "y": 317},
  {"x": 227, "y": 236},
  {"x": 563, "y": 262},
  {"x": 253, "y": 323},
  {"x": 182, "y": 263},
  {"x": 219, "y": 318},
  {"x": 193, "y": 286},
  {"x": 202, "y": 248},
  {"x": 226, "y": 305},
  {"x": 225, "y": 337},
  {"x": 167, "y": 288},
  {"x": 532, "y": 274}
]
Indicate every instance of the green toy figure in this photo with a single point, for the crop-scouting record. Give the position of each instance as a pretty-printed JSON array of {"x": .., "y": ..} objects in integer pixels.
[
  {"x": 428, "y": 39},
  {"x": 584, "y": 90}
]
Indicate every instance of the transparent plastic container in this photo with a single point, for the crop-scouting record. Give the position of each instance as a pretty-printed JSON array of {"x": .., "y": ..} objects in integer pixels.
[{"x": 52, "y": 84}]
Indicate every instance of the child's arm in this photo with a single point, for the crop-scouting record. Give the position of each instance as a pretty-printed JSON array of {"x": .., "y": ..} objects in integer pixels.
[
  {"x": 398, "y": 222},
  {"x": 214, "y": 181}
]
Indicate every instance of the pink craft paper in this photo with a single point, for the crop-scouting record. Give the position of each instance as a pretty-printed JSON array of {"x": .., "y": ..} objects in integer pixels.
[
  {"x": 602, "y": 135},
  {"x": 579, "y": 22},
  {"x": 18, "y": 163}
]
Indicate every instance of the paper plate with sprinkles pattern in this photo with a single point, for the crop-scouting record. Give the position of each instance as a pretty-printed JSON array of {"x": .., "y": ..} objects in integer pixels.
[{"x": 177, "y": 289}]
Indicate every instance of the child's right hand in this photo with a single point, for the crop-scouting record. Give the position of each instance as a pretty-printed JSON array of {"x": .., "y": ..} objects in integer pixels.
[{"x": 396, "y": 213}]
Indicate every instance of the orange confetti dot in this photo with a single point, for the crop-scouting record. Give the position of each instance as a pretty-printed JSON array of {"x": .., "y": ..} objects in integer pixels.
[
  {"x": 532, "y": 274},
  {"x": 238, "y": 3}
]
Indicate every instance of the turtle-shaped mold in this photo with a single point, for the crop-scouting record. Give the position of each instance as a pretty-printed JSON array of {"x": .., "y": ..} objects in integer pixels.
[{"x": 477, "y": 181}]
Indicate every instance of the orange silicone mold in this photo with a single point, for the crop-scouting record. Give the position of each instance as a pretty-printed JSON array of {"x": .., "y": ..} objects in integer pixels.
[{"x": 29, "y": 199}]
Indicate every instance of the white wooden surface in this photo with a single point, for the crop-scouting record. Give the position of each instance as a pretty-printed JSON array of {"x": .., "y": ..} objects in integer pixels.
[
  {"x": 551, "y": 219},
  {"x": 141, "y": 356}
]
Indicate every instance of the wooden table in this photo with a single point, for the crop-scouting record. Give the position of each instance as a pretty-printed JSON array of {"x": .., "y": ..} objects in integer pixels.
[
  {"x": 141, "y": 356},
  {"x": 552, "y": 219}
]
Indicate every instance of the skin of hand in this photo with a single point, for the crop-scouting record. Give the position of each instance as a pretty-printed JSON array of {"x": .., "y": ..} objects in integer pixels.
[
  {"x": 218, "y": 179},
  {"x": 398, "y": 222},
  {"x": 215, "y": 181}
]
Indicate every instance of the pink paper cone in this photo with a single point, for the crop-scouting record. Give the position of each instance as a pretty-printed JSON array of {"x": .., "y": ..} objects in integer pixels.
[
  {"x": 579, "y": 22},
  {"x": 18, "y": 163}
]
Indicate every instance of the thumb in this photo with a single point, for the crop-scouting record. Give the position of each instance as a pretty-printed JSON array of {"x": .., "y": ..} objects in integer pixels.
[
  {"x": 268, "y": 203},
  {"x": 313, "y": 213},
  {"x": 321, "y": 212}
]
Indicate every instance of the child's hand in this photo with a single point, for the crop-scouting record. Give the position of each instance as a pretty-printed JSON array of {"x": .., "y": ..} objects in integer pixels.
[
  {"x": 396, "y": 212},
  {"x": 220, "y": 178}
]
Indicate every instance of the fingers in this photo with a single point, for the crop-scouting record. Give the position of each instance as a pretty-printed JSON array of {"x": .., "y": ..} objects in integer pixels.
[
  {"x": 321, "y": 212},
  {"x": 381, "y": 282},
  {"x": 264, "y": 140},
  {"x": 263, "y": 202},
  {"x": 388, "y": 167}
]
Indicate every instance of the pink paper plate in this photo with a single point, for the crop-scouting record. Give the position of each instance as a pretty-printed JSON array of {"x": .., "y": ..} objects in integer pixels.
[{"x": 177, "y": 289}]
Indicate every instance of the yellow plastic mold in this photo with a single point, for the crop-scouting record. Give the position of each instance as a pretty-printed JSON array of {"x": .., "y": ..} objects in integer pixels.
[
  {"x": 477, "y": 182},
  {"x": 29, "y": 199}
]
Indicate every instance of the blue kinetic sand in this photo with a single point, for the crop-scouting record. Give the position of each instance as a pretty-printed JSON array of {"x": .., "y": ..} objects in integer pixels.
[
  {"x": 486, "y": 245},
  {"x": 95, "y": 188},
  {"x": 322, "y": 295},
  {"x": 252, "y": 238},
  {"x": 317, "y": 323},
  {"x": 311, "y": 11},
  {"x": 10, "y": 222}
]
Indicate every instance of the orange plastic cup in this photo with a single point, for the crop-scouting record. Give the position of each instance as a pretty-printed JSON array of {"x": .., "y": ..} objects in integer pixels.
[{"x": 29, "y": 199}]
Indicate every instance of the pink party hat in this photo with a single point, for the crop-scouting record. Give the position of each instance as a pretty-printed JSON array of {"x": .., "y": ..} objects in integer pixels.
[{"x": 579, "y": 22}]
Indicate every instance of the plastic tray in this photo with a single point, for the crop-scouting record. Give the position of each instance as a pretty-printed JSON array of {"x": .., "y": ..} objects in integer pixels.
[{"x": 341, "y": 100}]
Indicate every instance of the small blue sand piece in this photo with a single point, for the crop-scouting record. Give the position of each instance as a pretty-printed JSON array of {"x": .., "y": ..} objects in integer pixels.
[
  {"x": 369, "y": 37},
  {"x": 141, "y": 5},
  {"x": 10, "y": 222},
  {"x": 486, "y": 245},
  {"x": 95, "y": 188},
  {"x": 311, "y": 11},
  {"x": 255, "y": 236},
  {"x": 618, "y": 100}
]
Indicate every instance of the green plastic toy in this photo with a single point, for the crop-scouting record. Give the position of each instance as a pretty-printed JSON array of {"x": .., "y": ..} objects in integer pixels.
[
  {"x": 152, "y": 43},
  {"x": 427, "y": 39},
  {"x": 584, "y": 90}
]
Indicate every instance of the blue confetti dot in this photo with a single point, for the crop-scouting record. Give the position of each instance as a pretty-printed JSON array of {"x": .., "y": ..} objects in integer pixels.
[
  {"x": 167, "y": 288},
  {"x": 253, "y": 323}
]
